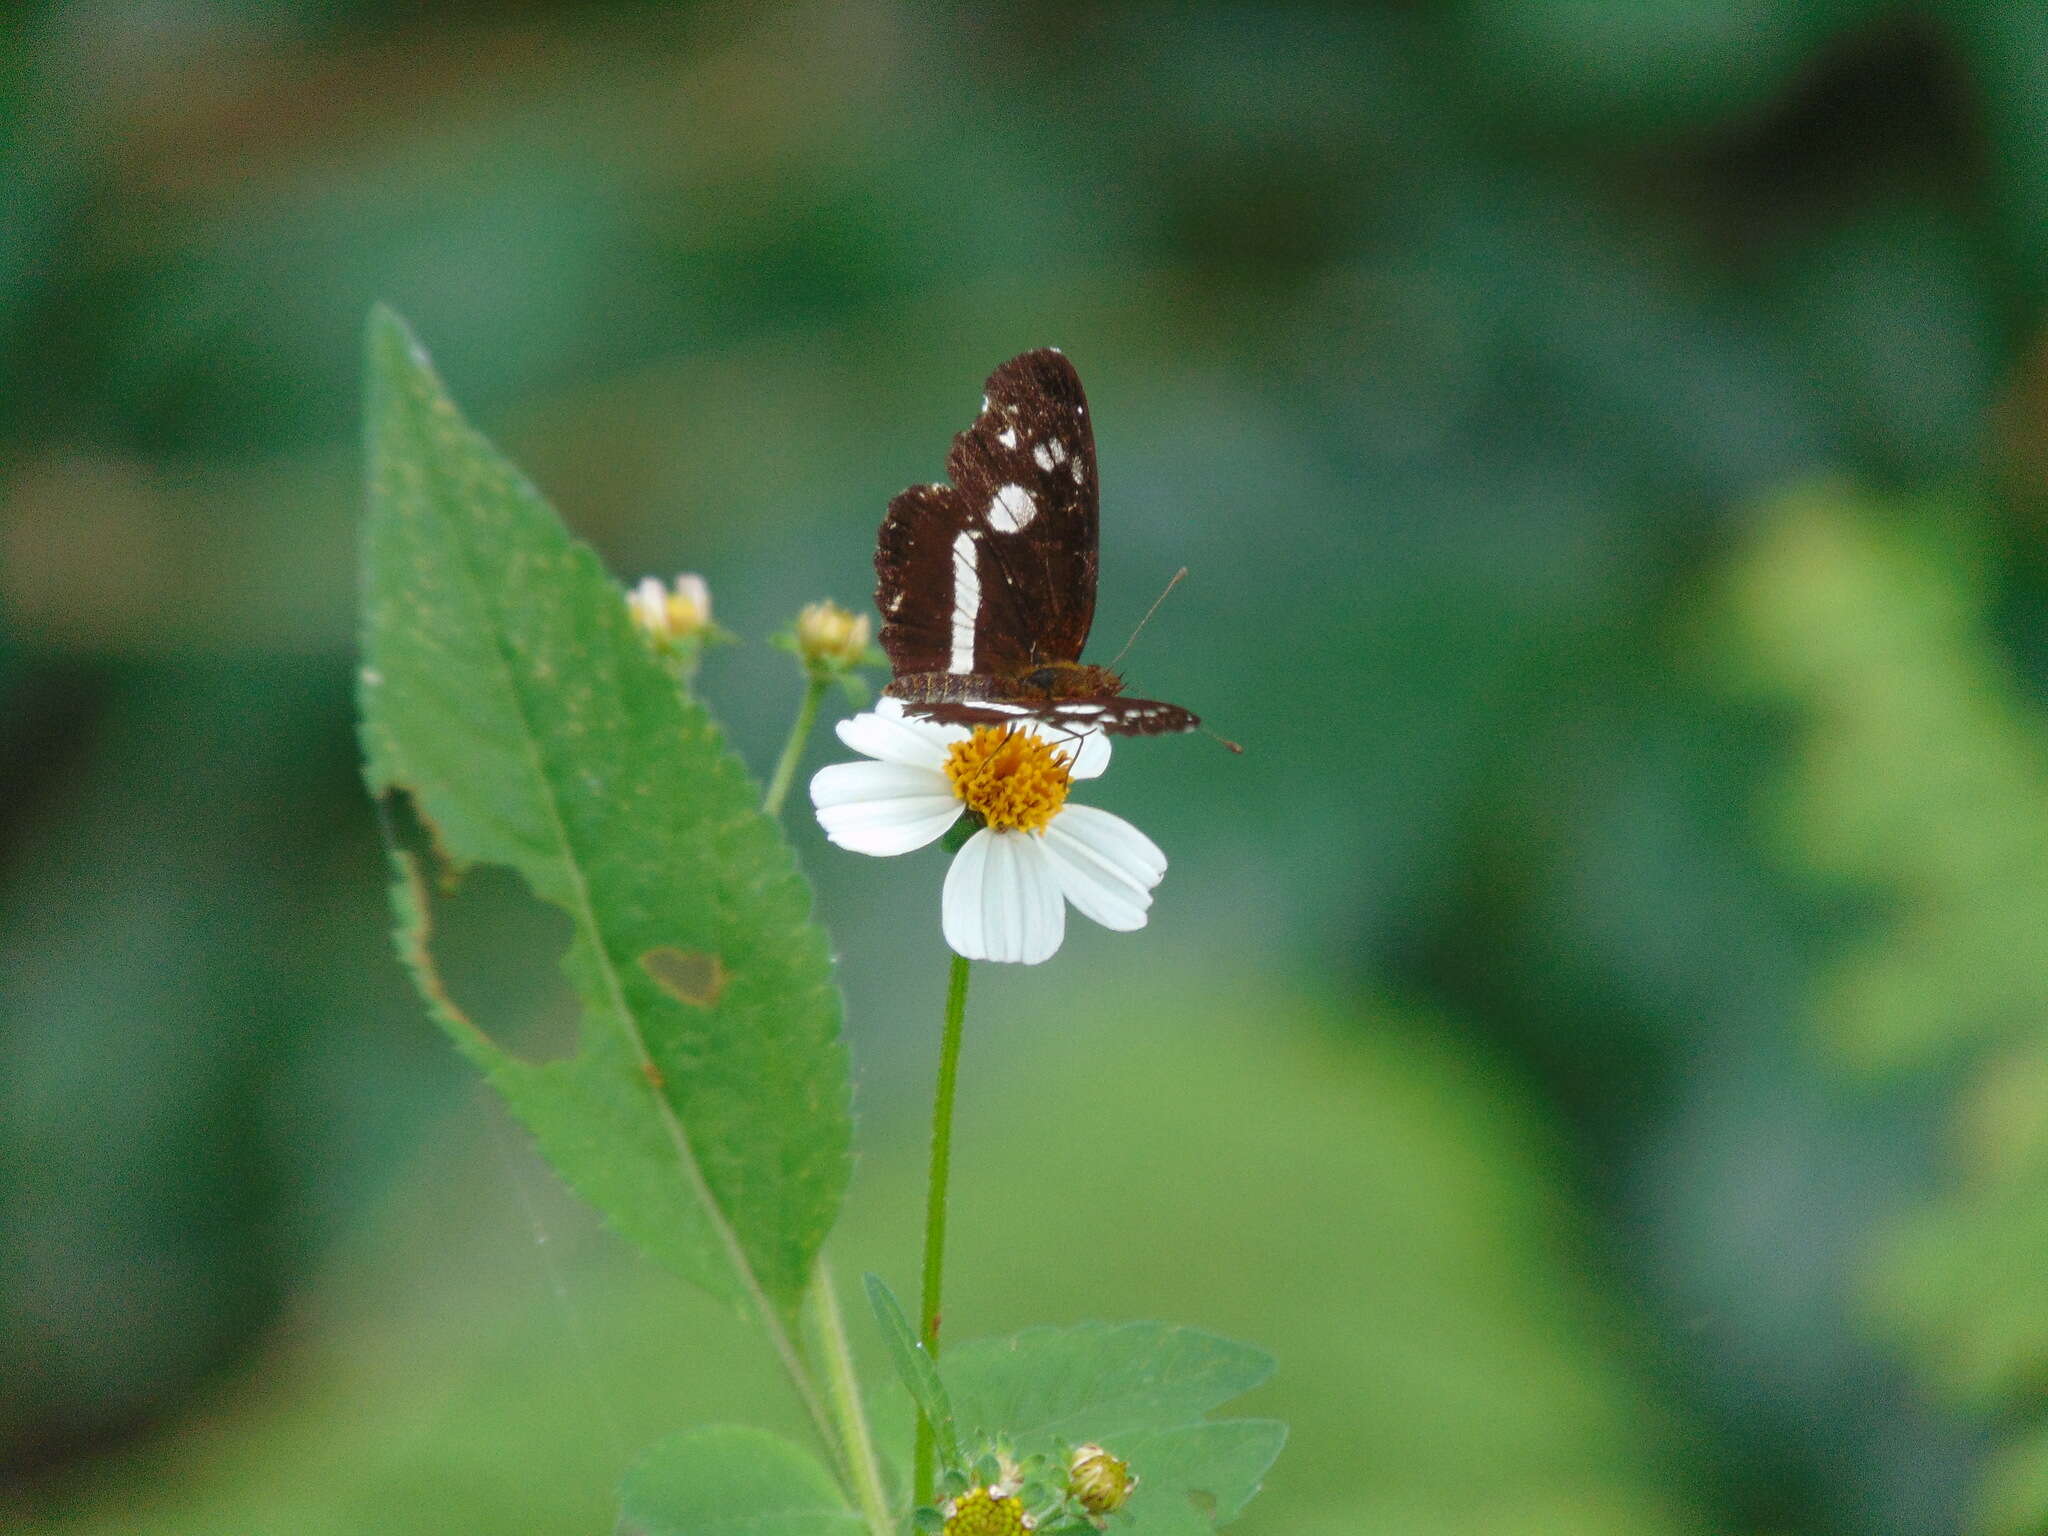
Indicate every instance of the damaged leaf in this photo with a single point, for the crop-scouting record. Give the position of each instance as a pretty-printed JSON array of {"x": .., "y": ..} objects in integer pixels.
[{"x": 504, "y": 691}]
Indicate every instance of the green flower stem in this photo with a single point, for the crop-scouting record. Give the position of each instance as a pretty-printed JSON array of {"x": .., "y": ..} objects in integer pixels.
[
  {"x": 856, "y": 1445},
  {"x": 935, "y": 1207},
  {"x": 793, "y": 749}
]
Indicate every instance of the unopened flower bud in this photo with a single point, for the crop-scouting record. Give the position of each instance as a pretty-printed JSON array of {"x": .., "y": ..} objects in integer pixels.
[
  {"x": 1099, "y": 1480},
  {"x": 671, "y": 618},
  {"x": 827, "y": 635},
  {"x": 990, "y": 1511}
]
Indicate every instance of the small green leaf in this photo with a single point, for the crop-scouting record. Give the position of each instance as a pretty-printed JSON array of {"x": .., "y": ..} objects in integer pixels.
[
  {"x": 1194, "y": 1479},
  {"x": 731, "y": 1480},
  {"x": 1139, "y": 1390},
  {"x": 915, "y": 1369},
  {"x": 504, "y": 690},
  {"x": 1096, "y": 1381}
]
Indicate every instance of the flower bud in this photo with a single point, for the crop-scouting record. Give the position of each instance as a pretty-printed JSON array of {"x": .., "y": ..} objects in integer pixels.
[
  {"x": 671, "y": 619},
  {"x": 1098, "y": 1480},
  {"x": 827, "y": 635}
]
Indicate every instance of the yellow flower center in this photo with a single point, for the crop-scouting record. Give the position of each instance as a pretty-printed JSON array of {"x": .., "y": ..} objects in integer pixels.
[
  {"x": 979, "y": 1512},
  {"x": 1012, "y": 779}
]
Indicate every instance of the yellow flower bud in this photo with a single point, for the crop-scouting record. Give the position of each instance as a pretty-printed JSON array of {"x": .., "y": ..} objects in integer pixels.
[
  {"x": 1099, "y": 1480},
  {"x": 827, "y": 635},
  {"x": 671, "y": 618}
]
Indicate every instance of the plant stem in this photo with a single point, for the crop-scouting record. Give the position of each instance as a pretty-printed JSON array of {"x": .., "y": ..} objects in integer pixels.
[
  {"x": 935, "y": 1207},
  {"x": 793, "y": 749},
  {"x": 856, "y": 1444}
]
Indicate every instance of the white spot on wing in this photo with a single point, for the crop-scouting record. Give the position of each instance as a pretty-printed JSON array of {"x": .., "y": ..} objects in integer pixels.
[
  {"x": 1058, "y": 450},
  {"x": 1011, "y": 508},
  {"x": 1007, "y": 437},
  {"x": 966, "y": 602},
  {"x": 1043, "y": 455},
  {"x": 1080, "y": 474}
]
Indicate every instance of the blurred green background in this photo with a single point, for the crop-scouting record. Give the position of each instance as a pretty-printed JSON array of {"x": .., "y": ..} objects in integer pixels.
[{"x": 1597, "y": 1034}]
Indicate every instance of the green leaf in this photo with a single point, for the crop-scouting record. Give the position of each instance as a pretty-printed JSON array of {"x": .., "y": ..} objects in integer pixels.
[
  {"x": 914, "y": 1368},
  {"x": 1194, "y": 1479},
  {"x": 1139, "y": 1390},
  {"x": 503, "y": 690},
  {"x": 731, "y": 1480},
  {"x": 1096, "y": 1380}
]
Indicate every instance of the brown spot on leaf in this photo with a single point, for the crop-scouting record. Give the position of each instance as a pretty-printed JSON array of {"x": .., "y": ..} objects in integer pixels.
[{"x": 688, "y": 976}]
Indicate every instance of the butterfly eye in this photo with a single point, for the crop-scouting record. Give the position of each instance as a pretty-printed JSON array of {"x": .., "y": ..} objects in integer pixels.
[{"x": 1043, "y": 677}]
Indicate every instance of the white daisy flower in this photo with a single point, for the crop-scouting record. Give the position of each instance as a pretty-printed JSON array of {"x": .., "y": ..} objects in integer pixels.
[{"x": 1007, "y": 891}]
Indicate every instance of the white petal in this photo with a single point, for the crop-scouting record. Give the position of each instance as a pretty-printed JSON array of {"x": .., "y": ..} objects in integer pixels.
[
  {"x": 882, "y": 808},
  {"x": 1091, "y": 756},
  {"x": 1100, "y": 887},
  {"x": 889, "y": 828},
  {"x": 1002, "y": 900},
  {"x": 1114, "y": 841},
  {"x": 844, "y": 783},
  {"x": 648, "y": 602},
  {"x": 961, "y": 915},
  {"x": 895, "y": 738}
]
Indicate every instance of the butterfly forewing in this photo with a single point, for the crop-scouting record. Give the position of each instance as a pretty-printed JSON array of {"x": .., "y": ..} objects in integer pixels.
[
  {"x": 987, "y": 584},
  {"x": 995, "y": 573},
  {"x": 1026, "y": 472}
]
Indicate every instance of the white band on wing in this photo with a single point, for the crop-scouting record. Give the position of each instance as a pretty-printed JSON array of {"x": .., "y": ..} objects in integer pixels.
[{"x": 966, "y": 602}]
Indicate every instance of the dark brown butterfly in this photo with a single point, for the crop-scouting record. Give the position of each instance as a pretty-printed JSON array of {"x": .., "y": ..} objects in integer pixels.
[{"x": 987, "y": 585}]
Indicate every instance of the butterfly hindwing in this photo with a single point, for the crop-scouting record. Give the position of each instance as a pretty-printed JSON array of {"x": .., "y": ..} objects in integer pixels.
[
  {"x": 1120, "y": 716},
  {"x": 915, "y": 564}
]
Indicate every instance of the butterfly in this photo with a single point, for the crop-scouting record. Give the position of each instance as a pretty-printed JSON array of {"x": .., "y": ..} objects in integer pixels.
[{"x": 987, "y": 584}]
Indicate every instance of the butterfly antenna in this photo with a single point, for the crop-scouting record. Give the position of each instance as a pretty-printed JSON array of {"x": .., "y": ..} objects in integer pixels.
[
  {"x": 1224, "y": 739},
  {"x": 1177, "y": 578}
]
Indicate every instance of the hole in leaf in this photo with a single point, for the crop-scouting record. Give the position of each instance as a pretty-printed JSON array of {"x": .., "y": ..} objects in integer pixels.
[{"x": 495, "y": 949}]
